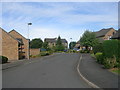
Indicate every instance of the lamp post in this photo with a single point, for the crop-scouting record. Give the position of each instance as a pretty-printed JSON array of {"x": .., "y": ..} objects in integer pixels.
[
  {"x": 71, "y": 43},
  {"x": 29, "y": 41}
]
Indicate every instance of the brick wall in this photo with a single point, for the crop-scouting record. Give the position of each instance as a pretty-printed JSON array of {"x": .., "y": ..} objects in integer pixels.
[
  {"x": 9, "y": 46},
  {"x": 34, "y": 51}
]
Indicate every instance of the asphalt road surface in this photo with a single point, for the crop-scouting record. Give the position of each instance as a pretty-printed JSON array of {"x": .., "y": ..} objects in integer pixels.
[{"x": 58, "y": 71}]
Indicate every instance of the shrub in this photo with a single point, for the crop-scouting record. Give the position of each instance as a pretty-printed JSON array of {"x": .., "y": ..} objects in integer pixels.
[
  {"x": 3, "y": 59},
  {"x": 111, "y": 48},
  {"x": 110, "y": 62},
  {"x": 82, "y": 51},
  {"x": 99, "y": 57},
  {"x": 97, "y": 48}
]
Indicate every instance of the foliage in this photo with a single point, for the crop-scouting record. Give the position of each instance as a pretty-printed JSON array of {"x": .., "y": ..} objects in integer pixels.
[
  {"x": 98, "y": 48},
  {"x": 88, "y": 39},
  {"x": 99, "y": 57},
  {"x": 111, "y": 48},
  {"x": 59, "y": 46},
  {"x": 72, "y": 45},
  {"x": 3, "y": 59},
  {"x": 45, "y": 46},
  {"x": 36, "y": 43},
  {"x": 110, "y": 62}
]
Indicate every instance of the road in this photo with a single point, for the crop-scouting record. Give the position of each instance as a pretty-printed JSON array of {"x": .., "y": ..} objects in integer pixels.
[{"x": 58, "y": 71}]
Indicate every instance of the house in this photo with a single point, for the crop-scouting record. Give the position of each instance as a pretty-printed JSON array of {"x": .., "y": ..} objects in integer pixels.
[
  {"x": 105, "y": 34},
  {"x": 14, "y": 45},
  {"x": 116, "y": 35},
  {"x": 52, "y": 42},
  {"x": 24, "y": 47},
  {"x": 78, "y": 46}
]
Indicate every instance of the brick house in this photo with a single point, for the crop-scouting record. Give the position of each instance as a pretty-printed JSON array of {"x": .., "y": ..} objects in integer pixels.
[
  {"x": 105, "y": 34},
  {"x": 116, "y": 35},
  {"x": 13, "y": 45},
  {"x": 24, "y": 46},
  {"x": 52, "y": 42}
]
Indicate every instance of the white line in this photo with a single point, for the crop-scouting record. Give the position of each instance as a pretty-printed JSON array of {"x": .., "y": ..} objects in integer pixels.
[{"x": 87, "y": 81}]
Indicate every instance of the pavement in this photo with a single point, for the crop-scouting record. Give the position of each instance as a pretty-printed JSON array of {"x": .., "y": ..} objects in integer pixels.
[
  {"x": 57, "y": 71},
  {"x": 96, "y": 74},
  {"x": 15, "y": 63}
]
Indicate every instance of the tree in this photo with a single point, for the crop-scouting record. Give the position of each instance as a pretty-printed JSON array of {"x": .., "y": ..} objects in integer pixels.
[
  {"x": 36, "y": 43},
  {"x": 45, "y": 45},
  {"x": 72, "y": 45},
  {"x": 88, "y": 39},
  {"x": 59, "y": 45}
]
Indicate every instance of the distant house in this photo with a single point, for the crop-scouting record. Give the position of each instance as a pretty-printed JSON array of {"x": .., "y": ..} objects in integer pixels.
[
  {"x": 78, "y": 46},
  {"x": 52, "y": 42},
  {"x": 105, "y": 34},
  {"x": 116, "y": 35},
  {"x": 14, "y": 45}
]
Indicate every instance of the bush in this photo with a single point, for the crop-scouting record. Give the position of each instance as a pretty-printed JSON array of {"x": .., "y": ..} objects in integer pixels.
[
  {"x": 99, "y": 57},
  {"x": 98, "y": 48},
  {"x": 110, "y": 62},
  {"x": 111, "y": 48},
  {"x": 3, "y": 59},
  {"x": 82, "y": 51}
]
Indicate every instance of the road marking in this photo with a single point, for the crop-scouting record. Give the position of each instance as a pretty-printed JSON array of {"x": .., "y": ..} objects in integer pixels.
[{"x": 87, "y": 81}]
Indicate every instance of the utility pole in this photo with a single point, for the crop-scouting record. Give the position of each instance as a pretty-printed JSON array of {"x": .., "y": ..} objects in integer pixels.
[
  {"x": 71, "y": 43},
  {"x": 29, "y": 41}
]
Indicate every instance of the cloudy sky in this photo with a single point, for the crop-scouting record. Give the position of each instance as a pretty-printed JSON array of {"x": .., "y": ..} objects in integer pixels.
[{"x": 67, "y": 19}]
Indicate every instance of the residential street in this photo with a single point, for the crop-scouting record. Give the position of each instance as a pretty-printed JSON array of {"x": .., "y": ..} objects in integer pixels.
[{"x": 58, "y": 71}]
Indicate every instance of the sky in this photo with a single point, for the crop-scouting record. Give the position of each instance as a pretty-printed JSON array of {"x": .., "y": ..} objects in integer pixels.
[{"x": 51, "y": 19}]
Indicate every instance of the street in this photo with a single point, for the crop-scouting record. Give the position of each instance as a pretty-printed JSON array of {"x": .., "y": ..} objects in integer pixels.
[{"x": 53, "y": 72}]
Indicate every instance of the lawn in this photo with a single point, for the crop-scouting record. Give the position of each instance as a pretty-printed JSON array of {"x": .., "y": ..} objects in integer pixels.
[{"x": 115, "y": 70}]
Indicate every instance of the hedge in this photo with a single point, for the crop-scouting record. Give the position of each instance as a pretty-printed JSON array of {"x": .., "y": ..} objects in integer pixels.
[
  {"x": 111, "y": 48},
  {"x": 98, "y": 48},
  {"x": 99, "y": 57},
  {"x": 3, "y": 59}
]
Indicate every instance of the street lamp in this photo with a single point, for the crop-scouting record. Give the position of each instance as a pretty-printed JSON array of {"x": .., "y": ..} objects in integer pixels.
[
  {"x": 29, "y": 41},
  {"x": 71, "y": 43}
]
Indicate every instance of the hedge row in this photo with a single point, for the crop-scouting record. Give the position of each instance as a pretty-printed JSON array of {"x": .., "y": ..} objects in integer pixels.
[{"x": 108, "y": 53}]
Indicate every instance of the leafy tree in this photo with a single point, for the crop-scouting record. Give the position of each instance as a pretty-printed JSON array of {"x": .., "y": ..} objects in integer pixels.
[
  {"x": 72, "y": 45},
  {"x": 88, "y": 39},
  {"x": 36, "y": 43},
  {"x": 45, "y": 45},
  {"x": 59, "y": 46}
]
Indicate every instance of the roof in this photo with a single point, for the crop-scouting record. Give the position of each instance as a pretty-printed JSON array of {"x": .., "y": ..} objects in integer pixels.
[
  {"x": 53, "y": 40},
  {"x": 64, "y": 40},
  {"x": 18, "y": 33},
  {"x": 10, "y": 35},
  {"x": 116, "y": 35},
  {"x": 102, "y": 32},
  {"x": 50, "y": 40}
]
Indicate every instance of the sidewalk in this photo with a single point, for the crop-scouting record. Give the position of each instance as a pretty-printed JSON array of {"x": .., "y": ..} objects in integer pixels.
[
  {"x": 23, "y": 62},
  {"x": 96, "y": 74}
]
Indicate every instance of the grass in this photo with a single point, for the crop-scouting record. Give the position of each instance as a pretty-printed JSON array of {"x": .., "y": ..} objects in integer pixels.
[
  {"x": 115, "y": 70},
  {"x": 93, "y": 55}
]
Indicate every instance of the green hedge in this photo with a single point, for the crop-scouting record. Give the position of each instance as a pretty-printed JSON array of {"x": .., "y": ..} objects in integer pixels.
[
  {"x": 110, "y": 62},
  {"x": 98, "y": 48},
  {"x": 99, "y": 57},
  {"x": 3, "y": 59},
  {"x": 111, "y": 48}
]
